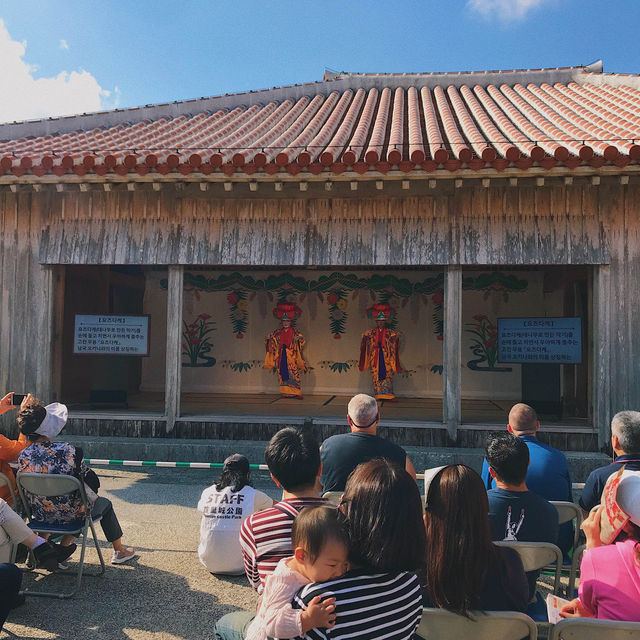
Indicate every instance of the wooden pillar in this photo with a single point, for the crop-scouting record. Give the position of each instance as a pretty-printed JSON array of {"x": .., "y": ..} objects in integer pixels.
[
  {"x": 602, "y": 354},
  {"x": 174, "y": 346},
  {"x": 452, "y": 355}
]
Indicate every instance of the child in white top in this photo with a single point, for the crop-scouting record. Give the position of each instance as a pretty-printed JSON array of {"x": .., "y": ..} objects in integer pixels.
[{"x": 320, "y": 554}]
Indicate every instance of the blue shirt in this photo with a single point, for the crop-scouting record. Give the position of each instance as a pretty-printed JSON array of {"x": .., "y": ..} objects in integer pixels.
[
  {"x": 594, "y": 485},
  {"x": 548, "y": 473}
]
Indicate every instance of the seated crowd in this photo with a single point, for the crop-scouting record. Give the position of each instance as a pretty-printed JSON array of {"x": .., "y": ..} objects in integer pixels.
[{"x": 367, "y": 566}]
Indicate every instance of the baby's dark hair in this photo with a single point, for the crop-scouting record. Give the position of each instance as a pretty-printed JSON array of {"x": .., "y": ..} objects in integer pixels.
[
  {"x": 315, "y": 526},
  {"x": 30, "y": 418}
]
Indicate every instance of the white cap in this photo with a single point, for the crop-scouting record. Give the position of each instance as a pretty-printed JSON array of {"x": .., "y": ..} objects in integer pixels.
[
  {"x": 429, "y": 475},
  {"x": 54, "y": 421}
]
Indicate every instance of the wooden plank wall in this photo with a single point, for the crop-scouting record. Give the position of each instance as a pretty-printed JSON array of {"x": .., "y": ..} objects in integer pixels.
[
  {"x": 554, "y": 224},
  {"x": 501, "y": 225},
  {"x": 26, "y": 299}
]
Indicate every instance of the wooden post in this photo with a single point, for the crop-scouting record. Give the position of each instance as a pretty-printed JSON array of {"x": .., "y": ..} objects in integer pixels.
[
  {"x": 452, "y": 354},
  {"x": 174, "y": 345},
  {"x": 602, "y": 354}
]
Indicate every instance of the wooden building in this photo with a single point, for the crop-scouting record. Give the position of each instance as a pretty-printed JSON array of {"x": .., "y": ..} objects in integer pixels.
[{"x": 458, "y": 198}]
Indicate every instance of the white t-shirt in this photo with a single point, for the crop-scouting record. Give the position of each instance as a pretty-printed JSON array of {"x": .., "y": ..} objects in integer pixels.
[{"x": 223, "y": 513}]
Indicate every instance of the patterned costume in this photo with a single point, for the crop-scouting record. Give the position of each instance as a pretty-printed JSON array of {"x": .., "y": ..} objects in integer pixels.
[
  {"x": 379, "y": 352},
  {"x": 284, "y": 351}
]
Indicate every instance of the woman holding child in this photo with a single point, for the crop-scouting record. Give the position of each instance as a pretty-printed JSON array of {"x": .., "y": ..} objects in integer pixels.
[{"x": 359, "y": 565}]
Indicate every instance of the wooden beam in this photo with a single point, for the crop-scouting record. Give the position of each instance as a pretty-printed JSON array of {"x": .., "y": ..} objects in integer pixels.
[
  {"x": 602, "y": 354},
  {"x": 59, "y": 283},
  {"x": 452, "y": 351},
  {"x": 173, "y": 378}
]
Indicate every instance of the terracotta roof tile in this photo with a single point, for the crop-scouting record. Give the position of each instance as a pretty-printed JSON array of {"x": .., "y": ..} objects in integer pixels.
[{"x": 361, "y": 122}]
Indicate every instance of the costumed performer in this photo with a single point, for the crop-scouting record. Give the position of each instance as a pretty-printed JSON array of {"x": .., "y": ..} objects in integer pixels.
[
  {"x": 379, "y": 351},
  {"x": 284, "y": 350}
]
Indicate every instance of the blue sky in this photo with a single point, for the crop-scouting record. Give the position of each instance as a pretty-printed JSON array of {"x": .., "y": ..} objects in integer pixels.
[{"x": 71, "y": 56}]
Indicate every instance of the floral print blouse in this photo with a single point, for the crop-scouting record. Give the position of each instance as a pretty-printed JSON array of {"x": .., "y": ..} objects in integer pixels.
[{"x": 57, "y": 458}]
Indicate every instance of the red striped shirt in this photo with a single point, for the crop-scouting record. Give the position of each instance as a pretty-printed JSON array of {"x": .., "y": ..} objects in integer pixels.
[{"x": 265, "y": 539}]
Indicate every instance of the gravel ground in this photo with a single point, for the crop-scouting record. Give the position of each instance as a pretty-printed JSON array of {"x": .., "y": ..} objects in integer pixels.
[{"x": 164, "y": 593}]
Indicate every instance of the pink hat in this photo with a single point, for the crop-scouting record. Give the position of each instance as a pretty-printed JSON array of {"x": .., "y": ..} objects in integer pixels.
[{"x": 621, "y": 501}]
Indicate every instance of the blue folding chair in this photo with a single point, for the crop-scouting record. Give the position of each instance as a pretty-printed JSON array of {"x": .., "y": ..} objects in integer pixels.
[{"x": 53, "y": 485}]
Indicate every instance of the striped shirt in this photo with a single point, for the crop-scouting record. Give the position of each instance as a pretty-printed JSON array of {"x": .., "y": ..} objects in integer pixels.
[
  {"x": 265, "y": 538},
  {"x": 386, "y": 606}
]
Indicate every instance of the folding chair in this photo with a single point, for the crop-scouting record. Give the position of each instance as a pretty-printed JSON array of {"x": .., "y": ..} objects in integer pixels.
[
  {"x": 575, "y": 568},
  {"x": 568, "y": 511},
  {"x": 534, "y": 556},
  {"x": 52, "y": 485},
  {"x": 440, "y": 624},
  {"x": 592, "y": 629},
  {"x": 333, "y": 496}
]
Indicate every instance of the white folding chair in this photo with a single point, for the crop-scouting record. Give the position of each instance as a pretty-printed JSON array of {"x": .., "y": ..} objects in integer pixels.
[
  {"x": 591, "y": 629},
  {"x": 333, "y": 496},
  {"x": 535, "y": 556},
  {"x": 567, "y": 512},
  {"x": 53, "y": 485},
  {"x": 440, "y": 624}
]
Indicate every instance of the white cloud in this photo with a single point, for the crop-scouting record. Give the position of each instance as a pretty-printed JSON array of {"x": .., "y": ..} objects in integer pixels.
[
  {"x": 64, "y": 44},
  {"x": 25, "y": 97},
  {"x": 505, "y": 10}
]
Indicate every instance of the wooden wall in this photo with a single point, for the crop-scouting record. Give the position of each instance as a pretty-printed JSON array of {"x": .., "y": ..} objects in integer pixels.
[{"x": 555, "y": 224}]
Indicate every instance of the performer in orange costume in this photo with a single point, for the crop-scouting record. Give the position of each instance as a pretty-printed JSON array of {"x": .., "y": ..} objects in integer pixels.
[
  {"x": 284, "y": 350},
  {"x": 379, "y": 352}
]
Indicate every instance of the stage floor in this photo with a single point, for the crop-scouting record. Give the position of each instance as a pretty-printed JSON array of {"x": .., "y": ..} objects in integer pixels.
[{"x": 331, "y": 407}]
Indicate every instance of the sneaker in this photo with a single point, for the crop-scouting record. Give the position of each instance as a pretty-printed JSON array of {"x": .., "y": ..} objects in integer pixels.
[
  {"x": 119, "y": 557},
  {"x": 64, "y": 552},
  {"x": 46, "y": 556}
]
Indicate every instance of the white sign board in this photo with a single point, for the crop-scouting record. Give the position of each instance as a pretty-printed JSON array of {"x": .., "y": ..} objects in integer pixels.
[
  {"x": 541, "y": 340},
  {"x": 110, "y": 335}
]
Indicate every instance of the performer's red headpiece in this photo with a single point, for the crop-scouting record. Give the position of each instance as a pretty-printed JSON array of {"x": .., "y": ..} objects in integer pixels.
[
  {"x": 287, "y": 310},
  {"x": 381, "y": 312}
]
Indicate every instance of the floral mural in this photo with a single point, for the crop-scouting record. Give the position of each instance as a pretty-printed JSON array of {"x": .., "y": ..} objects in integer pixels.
[
  {"x": 484, "y": 344},
  {"x": 196, "y": 341}
]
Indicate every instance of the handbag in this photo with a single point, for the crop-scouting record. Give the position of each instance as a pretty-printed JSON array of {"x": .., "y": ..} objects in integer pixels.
[{"x": 88, "y": 477}]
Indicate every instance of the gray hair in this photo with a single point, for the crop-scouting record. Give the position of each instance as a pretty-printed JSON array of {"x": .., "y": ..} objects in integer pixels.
[
  {"x": 625, "y": 425},
  {"x": 362, "y": 410}
]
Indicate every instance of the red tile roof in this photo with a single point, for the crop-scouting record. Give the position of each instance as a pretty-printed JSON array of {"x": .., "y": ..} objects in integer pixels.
[{"x": 351, "y": 122}]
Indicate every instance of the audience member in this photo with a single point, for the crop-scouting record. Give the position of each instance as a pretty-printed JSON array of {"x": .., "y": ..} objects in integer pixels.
[
  {"x": 380, "y": 596},
  {"x": 293, "y": 458},
  {"x": 342, "y": 453},
  {"x": 548, "y": 472},
  {"x": 9, "y": 449},
  {"x": 319, "y": 554},
  {"x": 625, "y": 441},
  {"x": 610, "y": 569},
  {"x": 515, "y": 513},
  {"x": 39, "y": 424},
  {"x": 465, "y": 570},
  {"x": 13, "y": 530},
  {"x": 224, "y": 507}
]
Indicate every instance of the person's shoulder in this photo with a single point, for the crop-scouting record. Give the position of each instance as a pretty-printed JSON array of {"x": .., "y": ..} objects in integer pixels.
[
  {"x": 534, "y": 443},
  {"x": 337, "y": 437}
]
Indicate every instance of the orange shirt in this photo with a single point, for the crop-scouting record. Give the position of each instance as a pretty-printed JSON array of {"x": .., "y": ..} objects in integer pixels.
[{"x": 9, "y": 450}]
